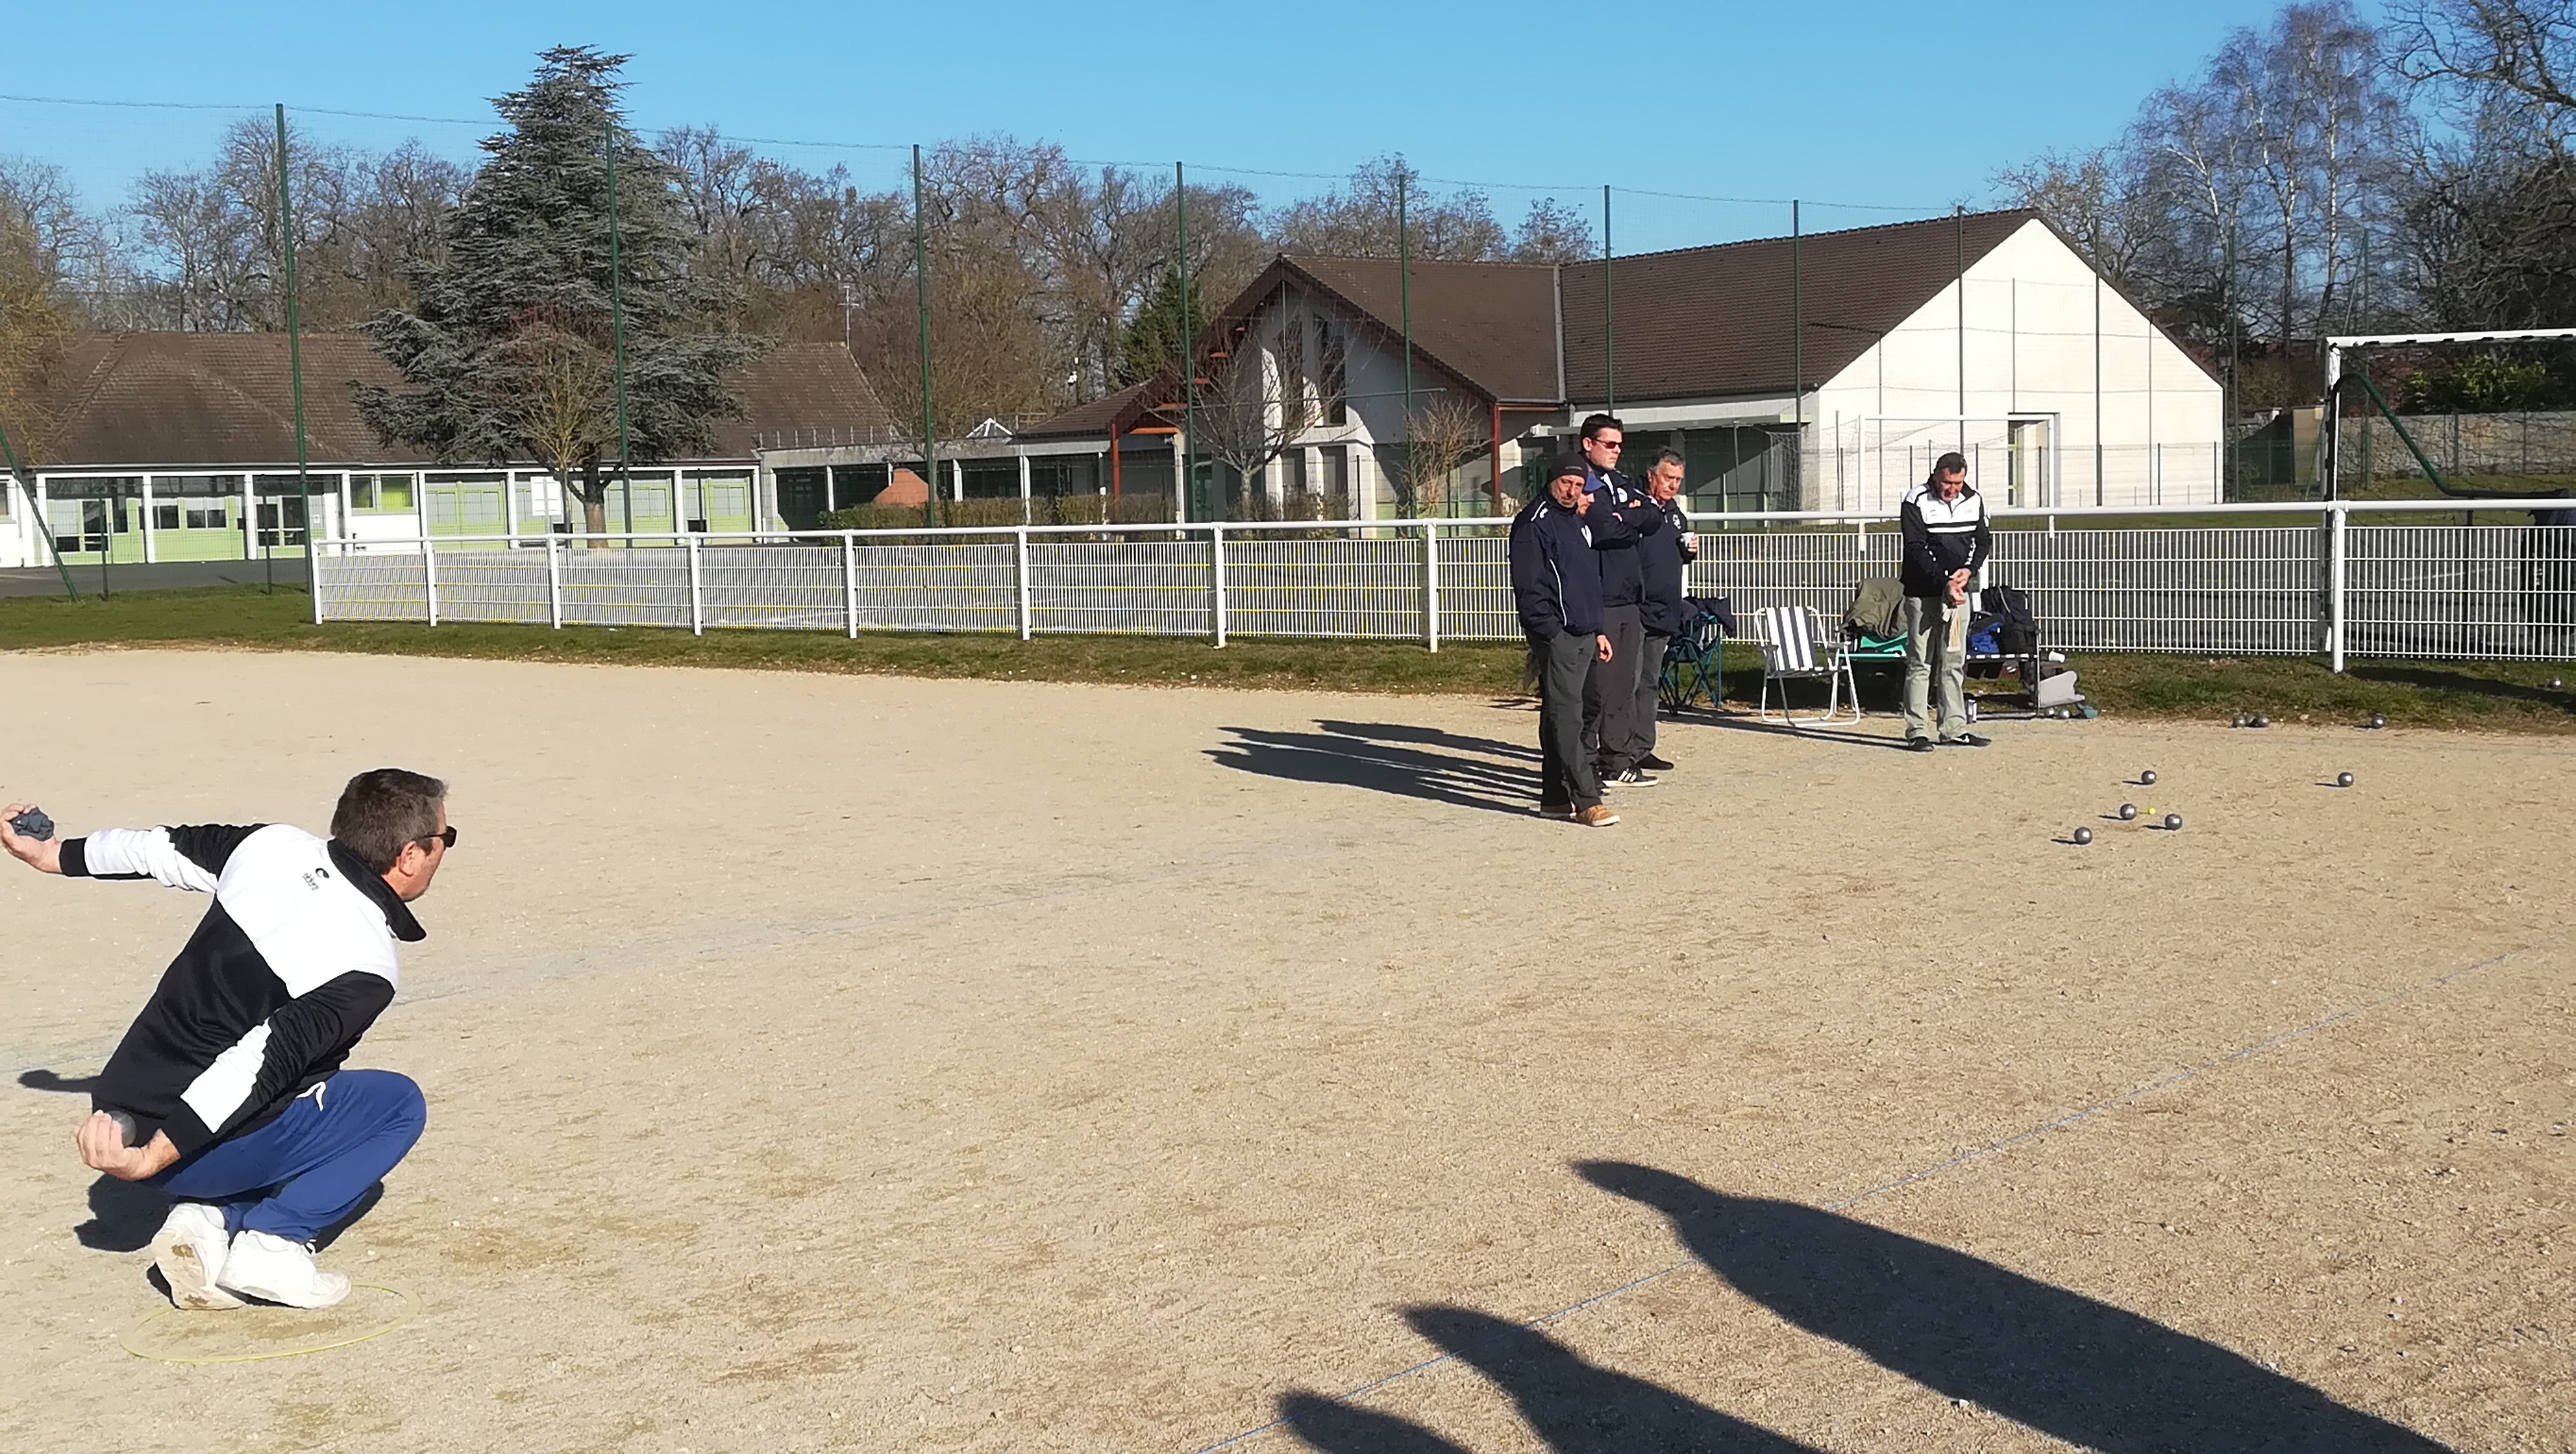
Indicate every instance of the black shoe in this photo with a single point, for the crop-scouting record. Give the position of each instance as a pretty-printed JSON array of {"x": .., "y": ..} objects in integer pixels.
[
  {"x": 1632, "y": 778},
  {"x": 1652, "y": 763},
  {"x": 1966, "y": 739},
  {"x": 1556, "y": 810},
  {"x": 1918, "y": 744}
]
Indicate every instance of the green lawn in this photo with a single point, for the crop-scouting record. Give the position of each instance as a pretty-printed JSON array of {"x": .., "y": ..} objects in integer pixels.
[{"x": 2504, "y": 696}]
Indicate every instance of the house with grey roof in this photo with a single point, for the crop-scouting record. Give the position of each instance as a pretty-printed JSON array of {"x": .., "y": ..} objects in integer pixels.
[
  {"x": 182, "y": 446},
  {"x": 1823, "y": 372}
]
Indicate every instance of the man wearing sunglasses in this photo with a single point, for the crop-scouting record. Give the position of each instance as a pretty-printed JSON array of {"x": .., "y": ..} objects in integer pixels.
[{"x": 227, "y": 1091}]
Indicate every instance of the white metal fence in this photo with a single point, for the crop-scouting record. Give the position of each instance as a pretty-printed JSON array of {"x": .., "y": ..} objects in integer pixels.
[{"x": 2263, "y": 579}]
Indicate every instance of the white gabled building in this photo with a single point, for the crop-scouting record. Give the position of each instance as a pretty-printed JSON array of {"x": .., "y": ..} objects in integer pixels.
[{"x": 1820, "y": 373}]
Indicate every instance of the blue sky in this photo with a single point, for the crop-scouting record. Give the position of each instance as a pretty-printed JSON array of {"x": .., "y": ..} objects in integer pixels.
[{"x": 1910, "y": 105}]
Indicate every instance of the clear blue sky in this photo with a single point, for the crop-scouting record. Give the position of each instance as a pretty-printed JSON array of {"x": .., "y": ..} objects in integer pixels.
[{"x": 1913, "y": 104}]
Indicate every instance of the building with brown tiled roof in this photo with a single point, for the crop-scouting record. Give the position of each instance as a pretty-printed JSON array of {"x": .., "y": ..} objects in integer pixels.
[
  {"x": 182, "y": 446},
  {"x": 1822, "y": 372}
]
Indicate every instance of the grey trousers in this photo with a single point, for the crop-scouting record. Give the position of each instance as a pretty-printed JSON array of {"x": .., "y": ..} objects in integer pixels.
[
  {"x": 1650, "y": 696},
  {"x": 1610, "y": 693},
  {"x": 1936, "y": 638},
  {"x": 1564, "y": 665}
]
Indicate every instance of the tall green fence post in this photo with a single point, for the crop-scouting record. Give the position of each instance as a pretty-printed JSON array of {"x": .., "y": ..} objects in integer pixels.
[
  {"x": 295, "y": 368},
  {"x": 617, "y": 340}
]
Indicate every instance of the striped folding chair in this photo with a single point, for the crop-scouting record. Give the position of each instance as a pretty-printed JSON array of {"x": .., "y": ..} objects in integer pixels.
[{"x": 1796, "y": 646}]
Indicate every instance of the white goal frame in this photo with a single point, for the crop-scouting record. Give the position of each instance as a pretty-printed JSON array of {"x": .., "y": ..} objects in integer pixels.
[{"x": 2330, "y": 444}]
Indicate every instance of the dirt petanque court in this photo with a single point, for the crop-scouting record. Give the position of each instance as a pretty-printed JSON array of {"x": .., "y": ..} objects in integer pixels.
[{"x": 862, "y": 1063}]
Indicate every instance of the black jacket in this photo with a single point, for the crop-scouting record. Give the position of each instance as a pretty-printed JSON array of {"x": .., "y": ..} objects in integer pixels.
[
  {"x": 1555, "y": 580},
  {"x": 1942, "y": 536},
  {"x": 1620, "y": 516},
  {"x": 1661, "y": 559},
  {"x": 292, "y": 963}
]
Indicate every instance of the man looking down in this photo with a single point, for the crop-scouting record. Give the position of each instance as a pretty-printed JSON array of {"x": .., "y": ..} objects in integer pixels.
[{"x": 227, "y": 1090}]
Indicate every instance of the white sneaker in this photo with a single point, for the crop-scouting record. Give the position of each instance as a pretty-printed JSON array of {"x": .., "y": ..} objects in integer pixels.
[
  {"x": 189, "y": 1250},
  {"x": 268, "y": 1267}
]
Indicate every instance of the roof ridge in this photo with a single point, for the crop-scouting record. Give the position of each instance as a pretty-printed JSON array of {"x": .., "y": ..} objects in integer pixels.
[
  {"x": 2027, "y": 213},
  {"x": 87, "y": 392}
]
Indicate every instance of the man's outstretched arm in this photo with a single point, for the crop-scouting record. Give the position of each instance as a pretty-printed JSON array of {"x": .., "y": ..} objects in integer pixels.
[{"x": 191, "y": 857}]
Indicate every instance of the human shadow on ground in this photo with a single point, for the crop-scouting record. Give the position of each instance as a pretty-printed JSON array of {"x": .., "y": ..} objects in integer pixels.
[
  {"x": 123, "y": 1215},
  {"x": 1332, "y": 757},
  {"x": 1577, "y": 1406},
  {"x": 2086, "y": 1372},
  {"x": 1840, "y": 732},
  {"x": 46, "y": 1080},
  {"x": 1407, "y": 733}
]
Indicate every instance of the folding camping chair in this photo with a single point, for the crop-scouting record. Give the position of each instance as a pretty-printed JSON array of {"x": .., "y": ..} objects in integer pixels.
[
  {"x": 1694, "y": 665},
  {"x": 1798, "y": 645}
]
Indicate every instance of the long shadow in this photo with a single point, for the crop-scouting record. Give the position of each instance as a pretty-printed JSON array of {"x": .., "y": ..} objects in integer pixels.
[
  {"x": 1577, "y": 1406},
  {"x": 123, "y": 1215},
  {"x": 46, "y": 1080},
  {"x": 2432, "y": 679},
  {"x": 1322, "y": 757},
  {"x": 2086, "y": 1372},
  {"x": 1406, "y": 732},
  {"x": 1841, "y": 733}
]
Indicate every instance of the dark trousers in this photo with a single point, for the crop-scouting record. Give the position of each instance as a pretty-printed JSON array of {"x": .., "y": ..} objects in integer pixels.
[
  {"x": 1610, "y": 692},
  {"x": 1564, "y": 665},
  {"x": 313, "y": 1164},
  {"x": 1650, "y": 692}
]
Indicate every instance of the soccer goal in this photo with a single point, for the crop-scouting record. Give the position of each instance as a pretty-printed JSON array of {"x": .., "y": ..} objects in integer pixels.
[{"x": 2480, "y": 415}]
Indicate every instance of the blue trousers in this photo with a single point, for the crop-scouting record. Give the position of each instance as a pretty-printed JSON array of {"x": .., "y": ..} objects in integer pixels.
[{"x": 313, "y": 1164}]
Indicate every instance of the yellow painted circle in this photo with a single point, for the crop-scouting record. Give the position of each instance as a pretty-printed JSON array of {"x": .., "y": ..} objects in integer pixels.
[{"x": 175, "y": 1335}]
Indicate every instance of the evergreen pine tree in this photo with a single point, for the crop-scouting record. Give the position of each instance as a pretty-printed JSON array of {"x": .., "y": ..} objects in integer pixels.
[
  {"x": 509, "y": 354},
  {"x": 1151, "y": 342}
]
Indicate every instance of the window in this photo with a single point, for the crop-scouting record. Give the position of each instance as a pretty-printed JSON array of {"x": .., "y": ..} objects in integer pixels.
[{"x": 380, "y": 492}]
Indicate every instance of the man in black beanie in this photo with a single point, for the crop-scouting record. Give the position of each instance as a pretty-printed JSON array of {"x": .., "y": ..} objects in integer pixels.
[{"x": 1556, "y": 584}]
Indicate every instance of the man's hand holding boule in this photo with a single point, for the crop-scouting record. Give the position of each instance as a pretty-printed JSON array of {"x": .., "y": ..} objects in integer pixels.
[
  {"x": 42, "y": 855},
  {"x": 103, "y": 1149}
]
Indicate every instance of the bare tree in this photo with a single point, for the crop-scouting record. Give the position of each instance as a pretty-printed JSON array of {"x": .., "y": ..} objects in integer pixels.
[
  {"x": 1553, "y": 232},
  {"x": 1359, "y": 219},
  {"x": 1447, "y": 430},
  {"x": 1267, "y": 384}
]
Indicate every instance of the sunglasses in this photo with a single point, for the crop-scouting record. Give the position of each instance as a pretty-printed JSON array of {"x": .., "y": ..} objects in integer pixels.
[{"x": 444, "y": 837}]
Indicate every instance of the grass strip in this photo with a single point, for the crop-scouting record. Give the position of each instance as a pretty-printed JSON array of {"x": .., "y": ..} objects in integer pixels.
[{"x": 2490, "y": 696}]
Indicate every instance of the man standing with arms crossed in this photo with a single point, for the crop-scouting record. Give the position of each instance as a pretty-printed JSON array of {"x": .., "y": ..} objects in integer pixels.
[
  {"x": 1557, "y": 587},
  {"x": 1619, "y": 516},
  {"x": 1663, "y": 559},
  {"x": 227, "y": 1090},
  {"x": 1946, "y": 540}
]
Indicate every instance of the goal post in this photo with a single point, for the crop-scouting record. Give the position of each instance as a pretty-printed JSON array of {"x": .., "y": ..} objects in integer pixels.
[{"x": 2341, "y": 381}]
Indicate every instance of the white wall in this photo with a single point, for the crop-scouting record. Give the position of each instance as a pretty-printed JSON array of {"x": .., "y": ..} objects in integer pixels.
[{"x": 2031, "y": 341}]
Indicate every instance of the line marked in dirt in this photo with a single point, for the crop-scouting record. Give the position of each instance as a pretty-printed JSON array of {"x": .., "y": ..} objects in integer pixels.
[{"x": 1964, "y": 1158}]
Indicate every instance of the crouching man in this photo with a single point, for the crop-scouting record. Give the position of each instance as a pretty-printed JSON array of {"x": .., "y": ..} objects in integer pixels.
[
  {"x": 1557, "y": 585},
  {"x": 227, "y": 1091}
]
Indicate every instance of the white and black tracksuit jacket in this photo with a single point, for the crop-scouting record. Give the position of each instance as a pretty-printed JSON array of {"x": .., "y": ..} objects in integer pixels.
[
  {"x": 1942, "y": 536},
  {"x": 291, "y": 965}
]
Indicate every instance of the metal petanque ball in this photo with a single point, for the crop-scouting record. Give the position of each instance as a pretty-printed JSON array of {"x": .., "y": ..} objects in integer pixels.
[
  {"x": 2148, "y": 777},
  {"x": 2083, "y": 836},
  {"x": 2556, "y": 685},
  {"x": 2343, "y": 779},
  {"x": 2239, "y": 720},
  {"x": 2378, "y": 720},
  {"x": 2258, "y": 721},
  {"x": 2173, "y": 822},
  {"x": 2128, "y": 812}
]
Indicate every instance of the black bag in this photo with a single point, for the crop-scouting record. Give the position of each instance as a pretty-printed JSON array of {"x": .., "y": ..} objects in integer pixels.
[{"x": 2016, "y": 632}]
